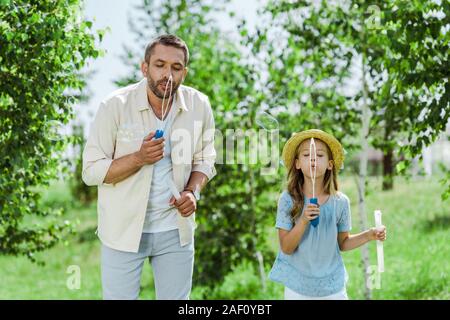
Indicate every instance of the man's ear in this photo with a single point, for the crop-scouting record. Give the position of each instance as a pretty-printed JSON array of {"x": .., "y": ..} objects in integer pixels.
[
  {"x": 186, "y": 69},
  {"x": 144, "y": 68}
]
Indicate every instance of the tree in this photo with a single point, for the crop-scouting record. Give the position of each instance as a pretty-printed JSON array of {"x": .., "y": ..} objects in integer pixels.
[
  {"x": 43, "y": 46},
  {"x": 419, "y": 38},
  {"x": 394, "y": 35},
  {"x": 79, "y": 189}
]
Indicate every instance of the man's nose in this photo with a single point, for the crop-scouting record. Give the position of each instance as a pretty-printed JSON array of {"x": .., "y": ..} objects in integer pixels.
[{"x": 168, "y": 74}]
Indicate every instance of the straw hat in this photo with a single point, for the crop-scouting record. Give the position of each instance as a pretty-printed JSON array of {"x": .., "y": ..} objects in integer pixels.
[{"x": 290, "y": 148}]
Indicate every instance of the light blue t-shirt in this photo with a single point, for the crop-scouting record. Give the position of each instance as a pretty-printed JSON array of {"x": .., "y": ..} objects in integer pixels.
[{"x": 316, "y": 267}]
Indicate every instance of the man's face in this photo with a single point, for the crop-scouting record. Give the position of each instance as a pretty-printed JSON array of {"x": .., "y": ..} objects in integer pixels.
[{"x": 164, "y": 61}]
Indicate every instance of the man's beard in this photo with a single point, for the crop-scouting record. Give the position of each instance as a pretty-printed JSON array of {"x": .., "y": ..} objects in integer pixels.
[{"x": 160, "y": 93}]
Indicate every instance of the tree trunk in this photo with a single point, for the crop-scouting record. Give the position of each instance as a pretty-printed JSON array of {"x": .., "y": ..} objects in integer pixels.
[
  {"x": 262, "y": 273},
  {"x": 388, "y": 170},
  {"x": 366, "y": 115}
]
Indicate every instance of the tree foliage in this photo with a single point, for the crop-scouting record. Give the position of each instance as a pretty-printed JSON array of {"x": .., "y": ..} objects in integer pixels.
[
  {"x": 43, "y": 47},
  {"x": 401, "y": 50}
]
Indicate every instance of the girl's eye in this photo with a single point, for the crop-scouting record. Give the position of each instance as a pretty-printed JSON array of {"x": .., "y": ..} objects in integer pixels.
[
  {"x": 159, "y": 65},
  {"x": 320, "y": 155},
  {"x": 177, "y": 69},
  {"x": 306, "y": 155}
]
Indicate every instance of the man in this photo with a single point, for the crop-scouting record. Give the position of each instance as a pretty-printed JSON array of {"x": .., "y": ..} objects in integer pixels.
[{"x": 138, "y": 216}]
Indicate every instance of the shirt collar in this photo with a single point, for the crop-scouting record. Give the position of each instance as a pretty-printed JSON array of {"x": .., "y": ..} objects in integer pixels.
[{"x": 142, "y": 100}]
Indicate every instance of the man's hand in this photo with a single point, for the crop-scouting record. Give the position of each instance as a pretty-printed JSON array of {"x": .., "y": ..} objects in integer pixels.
[
  {"x": 186, "y": 205},
  {"x": 151, "y": 150}
]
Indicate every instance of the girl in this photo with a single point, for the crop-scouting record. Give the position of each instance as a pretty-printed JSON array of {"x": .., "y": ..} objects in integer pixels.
[{"x": 309, "y": 263}]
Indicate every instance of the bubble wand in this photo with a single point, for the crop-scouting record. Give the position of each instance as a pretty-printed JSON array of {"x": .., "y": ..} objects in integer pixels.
[
  {"x": 313, "y": 200},
  {"x": 160, "y": 132},
  {"x": 380, "y": 253},
  {"x": 173, "y": 189}
]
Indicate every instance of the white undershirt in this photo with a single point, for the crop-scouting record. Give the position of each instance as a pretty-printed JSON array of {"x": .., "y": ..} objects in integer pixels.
[{"x": 160, "y": 216}]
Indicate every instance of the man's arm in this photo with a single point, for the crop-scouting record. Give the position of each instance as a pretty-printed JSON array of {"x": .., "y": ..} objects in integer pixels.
[
  {"x": 122, "y": 168},
  {"x": 151, "y": 151},
  {"x": 188, "y": 203},
  {"x": 202, "y": 166},
  {"x": 205, "y": 153},
  {"x": 98, "y": 152},
  {"x": 197, "y": 181}
]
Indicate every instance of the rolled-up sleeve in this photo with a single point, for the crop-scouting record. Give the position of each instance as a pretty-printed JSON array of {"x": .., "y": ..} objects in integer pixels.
[
  {"x": 99, "y": 149},
  {"x": 204, "y": 159}
]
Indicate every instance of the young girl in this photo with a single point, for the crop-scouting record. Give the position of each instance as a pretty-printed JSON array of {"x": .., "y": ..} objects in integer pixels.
[{"x": 309, "y": 263}]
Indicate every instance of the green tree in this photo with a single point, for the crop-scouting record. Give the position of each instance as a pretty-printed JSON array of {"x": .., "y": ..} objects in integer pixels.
[
  {"x": 43, "y": 47},
  {"x": 418, "y": 34},
  {"x": 80, "y": 191},
  {"x": 326, "y": 40}
]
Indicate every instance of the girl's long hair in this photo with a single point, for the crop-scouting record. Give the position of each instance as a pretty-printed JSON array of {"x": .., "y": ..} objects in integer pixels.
[{"x": 296, "y": 180}]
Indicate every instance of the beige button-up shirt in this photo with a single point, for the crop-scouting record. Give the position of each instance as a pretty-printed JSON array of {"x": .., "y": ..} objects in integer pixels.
[{"x": 122, "y": 121}]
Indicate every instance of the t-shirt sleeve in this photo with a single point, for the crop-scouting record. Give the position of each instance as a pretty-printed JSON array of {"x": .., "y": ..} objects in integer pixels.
[
  {"x": 284, "y": 220},
  {"x": 345, "y": 220}
]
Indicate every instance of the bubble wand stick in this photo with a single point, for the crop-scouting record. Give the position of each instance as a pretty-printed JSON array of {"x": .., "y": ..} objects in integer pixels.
[
  {"x": 380, "y": 252},
  {"x": 160, "y": 132},
  {"x": 313, "y": 200},
  {"x": 173, "y": 189}
]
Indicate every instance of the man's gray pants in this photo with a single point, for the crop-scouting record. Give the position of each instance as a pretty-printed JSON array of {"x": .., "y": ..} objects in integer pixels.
[{"x": 172, "y": 268}]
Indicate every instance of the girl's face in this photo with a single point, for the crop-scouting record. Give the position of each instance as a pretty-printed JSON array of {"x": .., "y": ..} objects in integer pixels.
[{"x": 322, "y": 163}]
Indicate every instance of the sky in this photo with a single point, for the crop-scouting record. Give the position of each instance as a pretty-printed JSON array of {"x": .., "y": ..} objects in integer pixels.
[{"x": 114, "y": 14}]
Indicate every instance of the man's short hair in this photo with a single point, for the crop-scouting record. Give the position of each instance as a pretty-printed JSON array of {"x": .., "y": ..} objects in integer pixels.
[{"x": 167, "y": 40}]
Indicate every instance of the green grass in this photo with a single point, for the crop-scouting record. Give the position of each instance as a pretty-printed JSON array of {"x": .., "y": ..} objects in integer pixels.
[
  {"x": 22, "y": 279},
  {"x": 417, "y": 253}
]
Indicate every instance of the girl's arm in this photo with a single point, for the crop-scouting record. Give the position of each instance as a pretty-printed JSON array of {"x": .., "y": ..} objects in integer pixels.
[
  {"x": 289, "y": 240},
  {"x": 349, "y": 241}
]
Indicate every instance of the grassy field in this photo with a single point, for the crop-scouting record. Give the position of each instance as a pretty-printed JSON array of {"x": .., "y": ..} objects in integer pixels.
[{"x": 417, "y": 252}]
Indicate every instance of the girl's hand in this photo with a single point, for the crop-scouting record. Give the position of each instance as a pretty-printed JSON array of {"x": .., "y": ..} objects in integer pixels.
[
  {"x": 377, "y": 233},
  {"x": 311, "y": 212}
]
